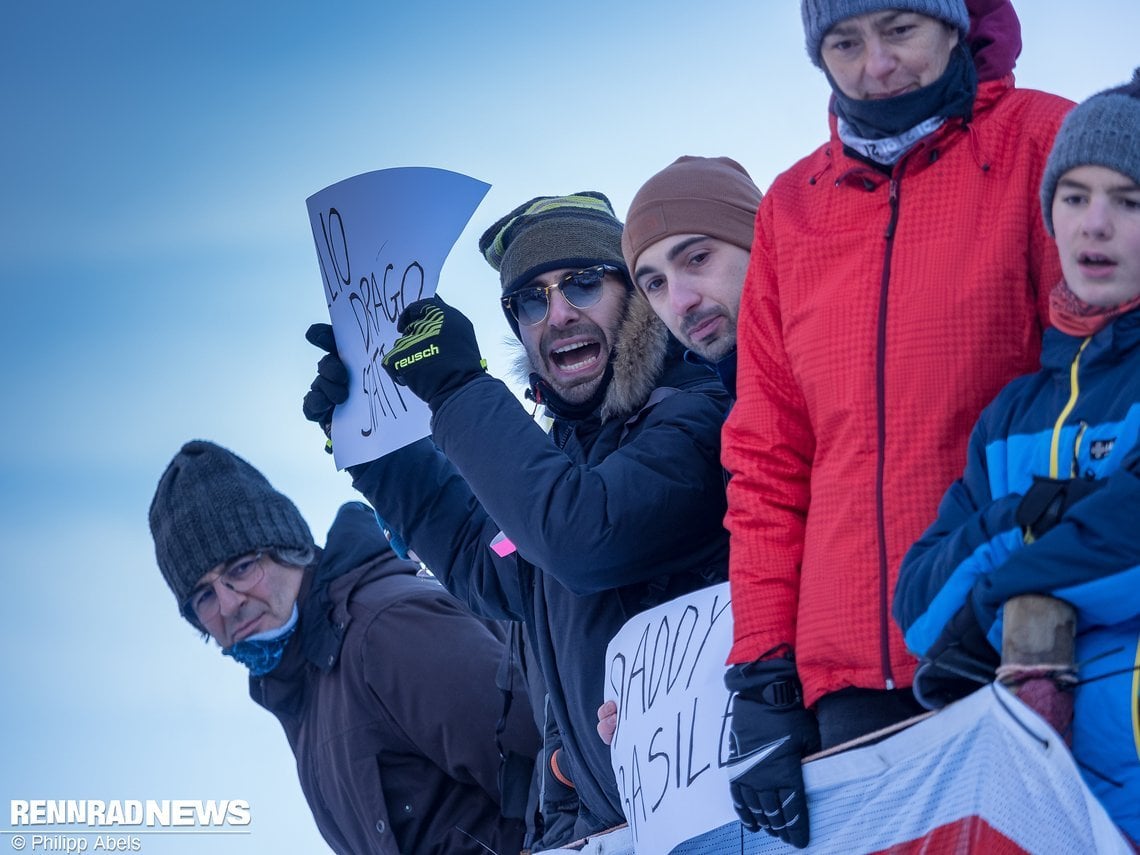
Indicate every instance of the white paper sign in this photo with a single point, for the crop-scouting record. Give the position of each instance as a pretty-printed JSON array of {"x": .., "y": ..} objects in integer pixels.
[
  {"x": 381, "y": 239},
  {"x": 665, "y": 669}
]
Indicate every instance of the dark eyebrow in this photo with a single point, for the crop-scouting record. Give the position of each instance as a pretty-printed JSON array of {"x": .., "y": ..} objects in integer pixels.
[
  {"x": 646, "y": 269},
  {"x": 683, "y": 245},
  {"x": 1125, "y": 186},
  {"x": 234, "y": 562},
  {"x": 226, "y": 568},
  {"x": 886, "y": 19},
  {"x": 536, "y": 282},
  {"x": 840, "y": 29},
  {"x": 891, "y": 15}
]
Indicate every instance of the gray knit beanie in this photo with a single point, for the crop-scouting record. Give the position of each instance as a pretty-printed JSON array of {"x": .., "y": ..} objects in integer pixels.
[
  {"x": 549, "y": 233},
  {"x": 212, "y": 506},
  {"x": 1101, "y": 131},
  {"x": 711, "y": 196},
  {"x": 821, "y": 15}
]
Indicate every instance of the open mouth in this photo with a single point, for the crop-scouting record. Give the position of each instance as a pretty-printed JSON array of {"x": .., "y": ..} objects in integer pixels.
[
  {"x": 578, "y": 356},
  {"x": 1094, "y": 259}
]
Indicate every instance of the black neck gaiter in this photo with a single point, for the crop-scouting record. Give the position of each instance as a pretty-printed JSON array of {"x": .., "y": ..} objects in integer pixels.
[{"x": 950, "y": 95}]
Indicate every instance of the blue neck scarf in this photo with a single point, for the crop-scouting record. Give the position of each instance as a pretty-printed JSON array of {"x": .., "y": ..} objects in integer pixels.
[{"x": 261, "y": 653}]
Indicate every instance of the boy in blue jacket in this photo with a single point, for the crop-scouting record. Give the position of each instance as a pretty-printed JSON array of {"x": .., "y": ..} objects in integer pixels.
[{"x": 1049, "y": 498}]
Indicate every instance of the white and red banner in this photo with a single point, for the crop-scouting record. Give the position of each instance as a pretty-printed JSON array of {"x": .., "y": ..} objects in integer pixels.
[{"x": 985, "y": 775}]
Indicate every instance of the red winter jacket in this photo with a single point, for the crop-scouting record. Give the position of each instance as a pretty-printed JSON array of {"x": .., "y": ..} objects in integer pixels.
[{"x": 879, "y": 316}]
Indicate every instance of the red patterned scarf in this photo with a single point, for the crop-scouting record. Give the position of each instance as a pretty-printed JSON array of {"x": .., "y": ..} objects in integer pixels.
[{"x": 1073, "y": 316}]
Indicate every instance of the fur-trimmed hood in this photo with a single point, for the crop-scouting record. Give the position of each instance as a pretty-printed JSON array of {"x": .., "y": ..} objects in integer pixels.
[{"x": 637, "y": 359}]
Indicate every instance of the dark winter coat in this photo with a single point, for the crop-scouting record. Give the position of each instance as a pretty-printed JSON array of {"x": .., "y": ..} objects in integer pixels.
[
  {"x": 724, "y": 368},
  {"x": 620, "y": 512},
  {"x": 387, "y": 696}
]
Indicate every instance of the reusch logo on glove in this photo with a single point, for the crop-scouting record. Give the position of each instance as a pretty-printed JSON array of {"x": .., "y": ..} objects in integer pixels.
[
  {"x": 419, "y": 332},
  {"x": 426, "y": 353}
]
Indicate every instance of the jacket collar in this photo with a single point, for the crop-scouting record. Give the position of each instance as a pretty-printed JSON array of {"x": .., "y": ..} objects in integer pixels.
[
  {"x": 355, "y": 550},
  {"x": 724, "y": 368},
  {"x": 1107, "y": 346},
  {"x": 849, "y": 170}
]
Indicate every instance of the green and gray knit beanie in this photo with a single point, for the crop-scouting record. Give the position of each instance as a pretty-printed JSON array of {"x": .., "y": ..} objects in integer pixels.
[
  {"x": 210, "y": 507},
  {"x": 819, "y": 16},
  {"x": 1104, "y": 130},
  {"x": 550, "y": 233}
]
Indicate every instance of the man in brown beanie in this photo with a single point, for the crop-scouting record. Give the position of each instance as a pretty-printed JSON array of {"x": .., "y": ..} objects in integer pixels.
[
  {"x": 618, "y": 509},
  {"x": 686, "y": 241},
  {"x": 383, "y": 682}
]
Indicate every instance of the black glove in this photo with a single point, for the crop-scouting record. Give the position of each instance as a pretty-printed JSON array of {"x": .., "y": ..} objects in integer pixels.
[
  {"x": 331, "y": 384},
  {"x": 960, "y": 661},
  {"x": 436, "y": 352},
  {"x": 1047, "y": 501},
  {"x": 771, "y": 734}
]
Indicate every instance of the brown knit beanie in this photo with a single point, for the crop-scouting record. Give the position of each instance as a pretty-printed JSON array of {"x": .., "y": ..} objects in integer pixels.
[
  {"x": 711, "y": 196},
  {"x": 212, "y": 506}
]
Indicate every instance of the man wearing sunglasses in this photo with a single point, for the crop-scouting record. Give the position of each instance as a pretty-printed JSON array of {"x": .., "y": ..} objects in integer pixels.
[
  {"x": 686, "y": 242},
  {"x": 618, "y": 509},
  {"x": 338, "y": 643}
]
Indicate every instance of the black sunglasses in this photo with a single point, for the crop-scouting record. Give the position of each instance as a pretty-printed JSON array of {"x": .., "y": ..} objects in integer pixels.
[{"x": 582, "y": 289}]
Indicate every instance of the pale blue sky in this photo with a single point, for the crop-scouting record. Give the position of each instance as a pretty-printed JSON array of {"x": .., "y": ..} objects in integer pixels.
[{"x": 158, "y": 273}]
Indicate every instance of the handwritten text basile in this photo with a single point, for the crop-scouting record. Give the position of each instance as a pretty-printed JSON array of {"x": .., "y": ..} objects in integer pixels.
[{"x": 666, "y": 669}]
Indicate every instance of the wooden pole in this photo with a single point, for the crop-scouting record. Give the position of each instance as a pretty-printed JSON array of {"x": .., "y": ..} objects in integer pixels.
[{"x": 1037, "y": 650}]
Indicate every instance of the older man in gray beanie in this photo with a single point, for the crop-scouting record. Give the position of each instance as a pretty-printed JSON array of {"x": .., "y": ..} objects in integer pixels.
[
  {"x": 898, "y": 279},
  {"x": 619, "y": 508},
  {"x": 383, "y": 682}
]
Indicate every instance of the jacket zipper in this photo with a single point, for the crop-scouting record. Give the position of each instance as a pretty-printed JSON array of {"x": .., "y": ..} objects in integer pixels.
[
  {"x": 1055, "y": 442},
  {"x": 1136, "y": 703},
  {"x": 881, "y": 415},
  {"x": 1054, "y": 470}
]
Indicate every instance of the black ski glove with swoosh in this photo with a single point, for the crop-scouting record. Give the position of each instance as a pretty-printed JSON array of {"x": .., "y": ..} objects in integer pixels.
[{"x": 771, "y": 734}]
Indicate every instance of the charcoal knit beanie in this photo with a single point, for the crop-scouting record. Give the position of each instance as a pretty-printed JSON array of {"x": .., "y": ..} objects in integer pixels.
[
  {"x": 1101, "y": 131},
  {"x": 819, "y": 16},
  {"x": 210, "y": 507},
  {"x": 711, "y": 196},
  {"x": 550, "y": 233}
]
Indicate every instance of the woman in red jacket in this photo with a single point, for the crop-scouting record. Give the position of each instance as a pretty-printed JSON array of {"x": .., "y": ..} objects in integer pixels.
[{"x": 899, "y": 278}]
